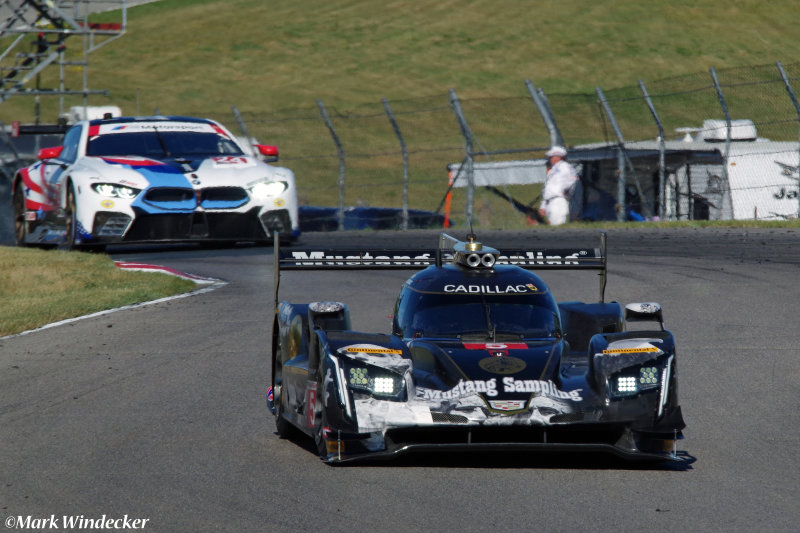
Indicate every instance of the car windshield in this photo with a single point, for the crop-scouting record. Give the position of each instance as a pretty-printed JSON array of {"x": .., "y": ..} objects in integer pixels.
[
  {"x": 494, "y": 317},
  {"x": 159, "y": 144}
]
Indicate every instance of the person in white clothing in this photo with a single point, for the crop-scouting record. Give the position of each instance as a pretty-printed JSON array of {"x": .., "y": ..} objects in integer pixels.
[{"x": 560, "y": 185}]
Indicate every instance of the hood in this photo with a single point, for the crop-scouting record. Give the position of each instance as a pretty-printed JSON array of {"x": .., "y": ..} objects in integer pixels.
[
  {"x": 208, "y": 171},
  {"x": 495, "y": 371}
]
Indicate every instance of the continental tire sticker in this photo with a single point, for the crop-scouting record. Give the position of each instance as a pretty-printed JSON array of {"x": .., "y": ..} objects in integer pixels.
[
  {"x": 502, "y": 365},
  {"x": 359, "y": 349},
  {"x": 643, "y": 349}
]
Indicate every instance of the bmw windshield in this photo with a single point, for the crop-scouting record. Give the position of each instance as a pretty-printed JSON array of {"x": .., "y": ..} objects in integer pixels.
[
  {"x": 479, "y": 316},
  {"x": 158, "y": 144}
]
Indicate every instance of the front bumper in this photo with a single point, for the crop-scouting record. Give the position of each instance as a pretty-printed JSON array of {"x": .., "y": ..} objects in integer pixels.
[
  {"x": 617, "y": 440},
  {"x": 199, "y": 225},
  {"x": 627, "y": 438}
]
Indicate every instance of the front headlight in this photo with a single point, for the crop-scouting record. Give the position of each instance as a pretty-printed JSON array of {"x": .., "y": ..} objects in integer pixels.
[
  {"x": 110, "y": 190},
  {"x": 633, "y": 381},
  {"x": 375, "y": 381},
  {"x": 268, "y": 189}
]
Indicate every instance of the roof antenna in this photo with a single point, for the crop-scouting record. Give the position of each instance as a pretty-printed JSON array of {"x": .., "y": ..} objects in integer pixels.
[{"x": 471, "y": 235}]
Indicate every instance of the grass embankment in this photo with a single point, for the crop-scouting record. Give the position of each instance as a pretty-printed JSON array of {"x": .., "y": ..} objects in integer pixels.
[
  {"x": 274, "y": 60},
  {"x": 38, "y": 287}
]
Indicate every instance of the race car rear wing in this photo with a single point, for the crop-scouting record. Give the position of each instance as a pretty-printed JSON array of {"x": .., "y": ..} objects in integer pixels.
[{"x": 449, "y": 250}]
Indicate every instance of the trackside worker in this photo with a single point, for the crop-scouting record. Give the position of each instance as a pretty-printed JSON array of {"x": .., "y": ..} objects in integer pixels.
[{"x": 560, "y": 185}]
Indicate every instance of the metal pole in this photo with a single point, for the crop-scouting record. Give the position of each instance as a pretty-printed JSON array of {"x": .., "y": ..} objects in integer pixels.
[
  {"x": 340, "y": 151},
  {"x": 547, "y": 114},
  {"x": 661, "y": 150},
  {"x": 623, "y": 159},
  {"x": 396, "y": 127},
  {"x": 797, "y": 110},
  {"x": 243, "y": 127},
  {"x": 724, "y": 106},
  {"x": 620, "y": 185},
  {"x": 467, "y": 133}
]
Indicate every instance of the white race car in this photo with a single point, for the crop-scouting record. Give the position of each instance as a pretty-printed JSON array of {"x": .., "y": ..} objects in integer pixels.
[{"x": 153, "y": 179}]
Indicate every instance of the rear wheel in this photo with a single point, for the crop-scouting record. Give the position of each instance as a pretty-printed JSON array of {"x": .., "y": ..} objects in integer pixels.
[
  {"x": 282, "y": 426},
  {"x": 20, "y": 224},
  {"x": 320, "y": 416}
]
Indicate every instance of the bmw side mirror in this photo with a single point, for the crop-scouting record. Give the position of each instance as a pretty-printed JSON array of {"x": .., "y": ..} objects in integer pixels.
[
  {"x": 269, "y": 153},
  {"x": 49, "y": 153}
]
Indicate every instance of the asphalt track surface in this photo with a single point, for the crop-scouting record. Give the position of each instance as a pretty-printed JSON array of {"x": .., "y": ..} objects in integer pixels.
[{"x": 158, "y": 412}]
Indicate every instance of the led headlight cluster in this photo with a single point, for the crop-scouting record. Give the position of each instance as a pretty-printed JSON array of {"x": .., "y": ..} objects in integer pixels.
[
  {"x": 377, "y": 382},
  {"x": 632, "y": 382},
  {"x": 267, "y": 189},
  {"x": 111, "y": 190},
  {"x": 626, "y": 384},
  {"x": 648, "y": 376}
]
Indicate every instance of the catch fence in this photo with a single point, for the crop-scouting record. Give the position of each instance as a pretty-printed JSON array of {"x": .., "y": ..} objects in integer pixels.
[{"x": 426, "y": 153}]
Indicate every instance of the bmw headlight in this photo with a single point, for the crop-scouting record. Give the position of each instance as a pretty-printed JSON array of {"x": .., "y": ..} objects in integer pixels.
[
  {"x": 377, "y": 382},
  {"x": 111, "y": 190},
  {"x": 267, "y": 189}
]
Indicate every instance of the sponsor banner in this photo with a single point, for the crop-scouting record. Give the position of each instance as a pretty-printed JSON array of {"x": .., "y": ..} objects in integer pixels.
[
  {"x": 137, "y": 127},
  {"x": 633, "y": 350},
  {"x": 489, "y": 387},
  {"x": 354, "y": 258},
  {"x": 371, "y": 349},
  {"x": 344, "y": 258},
  {"x": 539, "y": 387},
  {"x": 528, "y": 288}
]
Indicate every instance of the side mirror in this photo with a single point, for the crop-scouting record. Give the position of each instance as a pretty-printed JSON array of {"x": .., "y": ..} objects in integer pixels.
[
  {"x": 270, "y": 153},
  {"x": 644, "y": 312},
  {"x": 49, "y": 153}
]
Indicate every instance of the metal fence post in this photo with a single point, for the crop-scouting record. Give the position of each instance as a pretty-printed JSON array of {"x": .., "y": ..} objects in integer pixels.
[
  {"x": 243, "y": 127},
  {"x": 797, "y": 110},
  {"x": 547, "y": 114},
  {"x": 724, "y": 107},
  {"x": 340, "y": 152},
  {"x": 467, "y": 133},
  {"x": 661, "y": 150},
  {"x": 622, "y": 160},
  {"x": 396, "y": 127}
]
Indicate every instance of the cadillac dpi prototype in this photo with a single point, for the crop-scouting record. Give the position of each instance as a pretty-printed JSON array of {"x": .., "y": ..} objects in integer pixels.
[
  {"x": 480, "y": 357},
  {"x": 152, "y": 179}
]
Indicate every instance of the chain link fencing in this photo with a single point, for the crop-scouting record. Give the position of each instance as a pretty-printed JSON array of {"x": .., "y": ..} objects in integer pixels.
[{"x": 674, "y": 148}]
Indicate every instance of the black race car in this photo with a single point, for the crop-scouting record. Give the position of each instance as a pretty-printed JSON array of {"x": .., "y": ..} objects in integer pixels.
[{"x": 480, "y": 357}]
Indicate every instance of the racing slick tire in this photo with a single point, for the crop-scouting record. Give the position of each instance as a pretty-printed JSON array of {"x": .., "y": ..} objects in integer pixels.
[
  {"x": 70, "y": 219},
  {"x": 71, "y": 216},
  {"x": 283, "y": 427},
  {"x": 320, "y": 416},
  {"x": 20, "y": 224}
]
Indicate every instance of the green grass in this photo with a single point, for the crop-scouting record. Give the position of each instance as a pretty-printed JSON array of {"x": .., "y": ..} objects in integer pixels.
[
  {"x": 38, "y": 287},
  {"x": 281, "y": 54}
]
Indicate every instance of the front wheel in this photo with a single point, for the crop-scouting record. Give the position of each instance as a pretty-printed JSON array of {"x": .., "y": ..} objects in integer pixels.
[
  {"x": 71, "y": 216},
  {"x": 20, "y": 224},
  {"x": 71, "y": 219}
]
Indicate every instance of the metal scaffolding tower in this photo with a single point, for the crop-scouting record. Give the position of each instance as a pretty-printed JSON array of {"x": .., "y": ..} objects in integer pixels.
[{"x": 42, "y": 28}]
